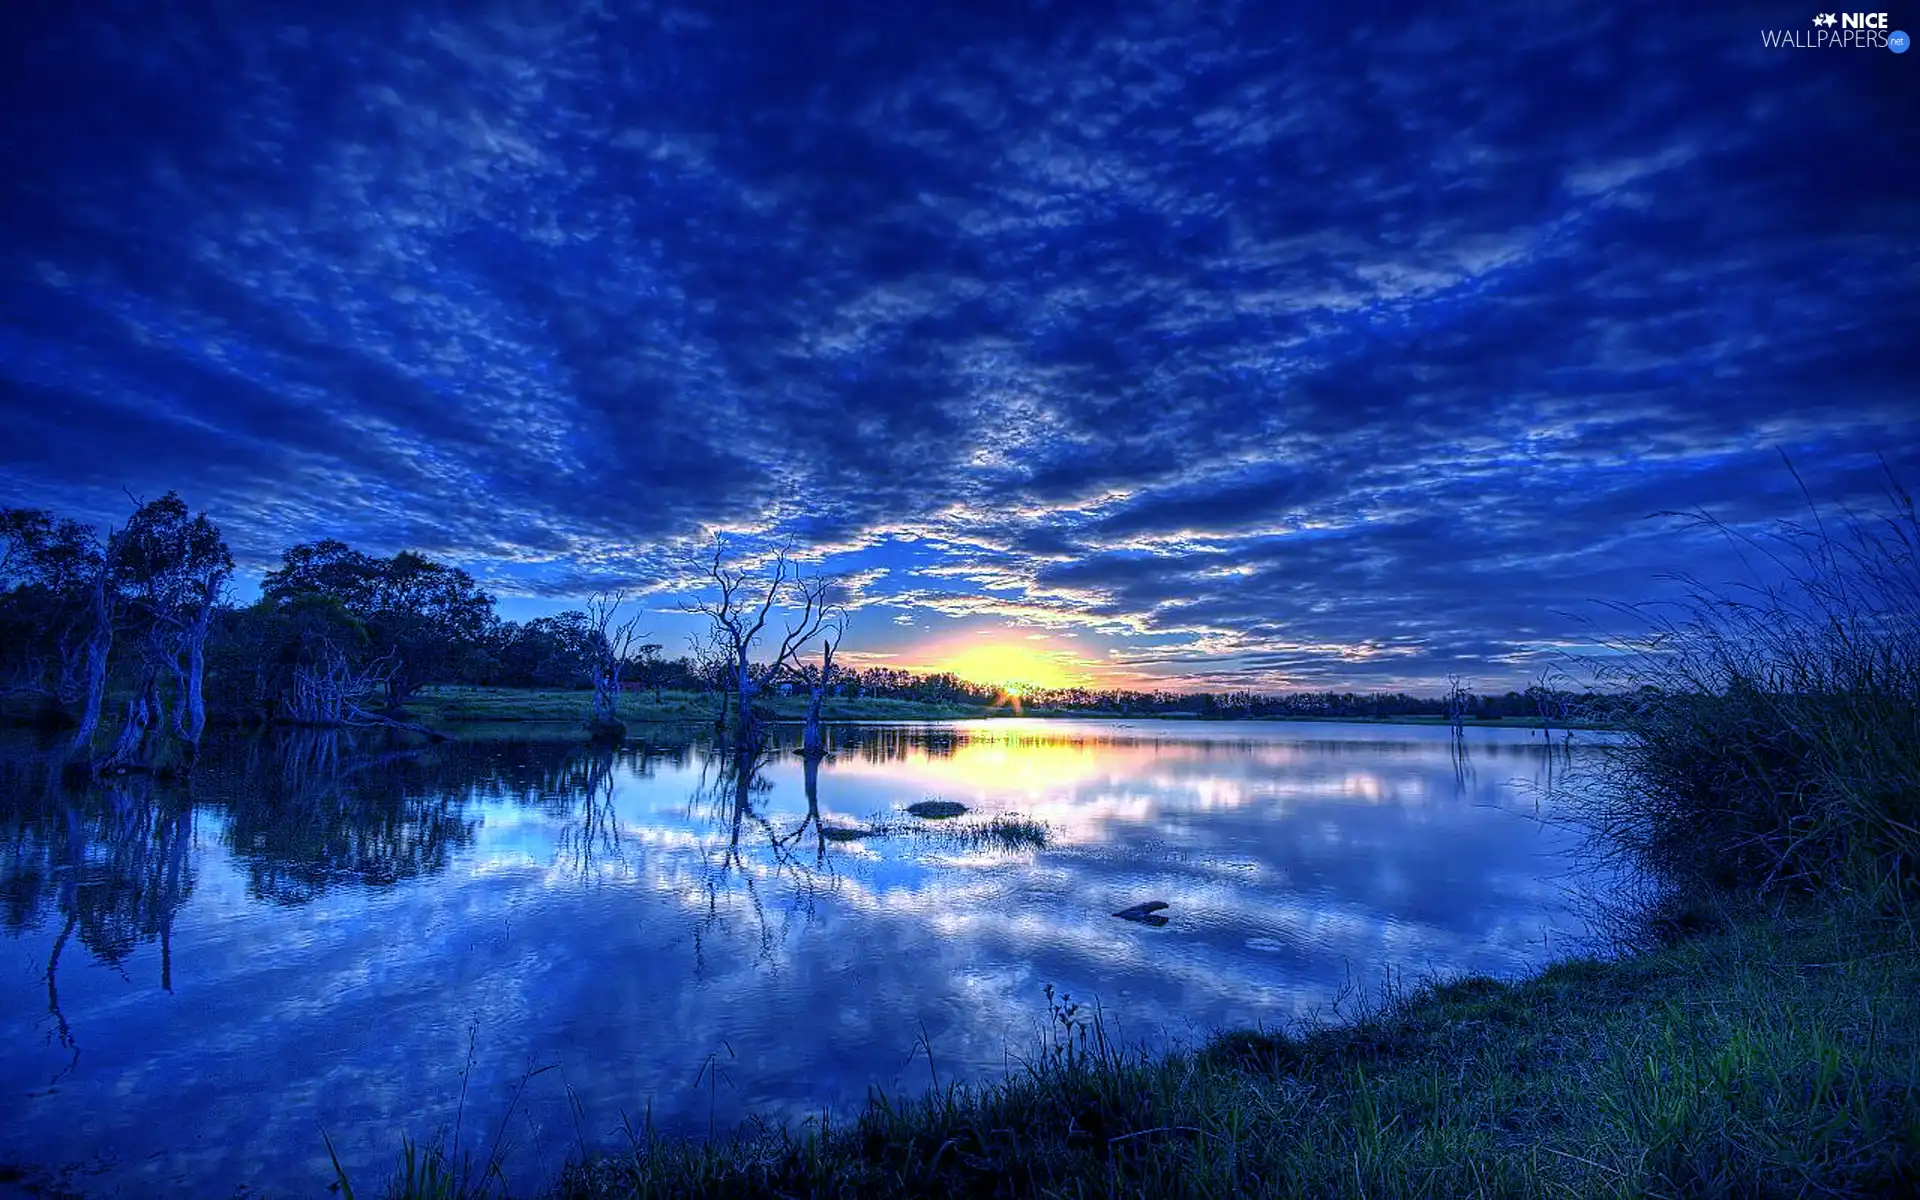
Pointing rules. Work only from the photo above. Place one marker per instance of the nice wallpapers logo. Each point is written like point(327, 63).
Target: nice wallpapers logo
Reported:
point(1841, 31)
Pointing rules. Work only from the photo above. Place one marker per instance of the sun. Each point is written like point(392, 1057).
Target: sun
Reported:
point(1013, 669)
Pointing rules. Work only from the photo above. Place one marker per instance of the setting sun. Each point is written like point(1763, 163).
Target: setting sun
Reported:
point(1011, 668)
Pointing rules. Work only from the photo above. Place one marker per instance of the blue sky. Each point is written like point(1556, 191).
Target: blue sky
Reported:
point(1215, 345)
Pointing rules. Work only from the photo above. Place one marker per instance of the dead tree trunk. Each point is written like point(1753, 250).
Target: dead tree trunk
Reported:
point(819, 680)
point(814, 741)
point(192, 717)
point(133, 750)
point(1459, 697)
point(612, 641)
point(738, 610)
point(98, 645)
point(745, 688)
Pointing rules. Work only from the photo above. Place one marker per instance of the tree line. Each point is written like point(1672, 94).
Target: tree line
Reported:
point(140, 614)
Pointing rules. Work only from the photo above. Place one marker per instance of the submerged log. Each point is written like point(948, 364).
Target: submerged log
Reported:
point(1145, 914)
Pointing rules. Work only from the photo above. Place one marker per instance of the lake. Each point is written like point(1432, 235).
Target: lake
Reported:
point(544, 941)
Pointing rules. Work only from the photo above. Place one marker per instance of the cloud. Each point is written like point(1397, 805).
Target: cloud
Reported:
point(1286, 334)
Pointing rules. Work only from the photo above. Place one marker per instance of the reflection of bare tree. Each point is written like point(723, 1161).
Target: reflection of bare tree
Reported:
point(128, 873)
point(1464, 775)
point(810, 780)
point(64, 1031)
point(597, 837)
point(322, 808)
point(112, 861)
point(756, 850)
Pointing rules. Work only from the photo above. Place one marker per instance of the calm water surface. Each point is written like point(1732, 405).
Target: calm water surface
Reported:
point(321, 935)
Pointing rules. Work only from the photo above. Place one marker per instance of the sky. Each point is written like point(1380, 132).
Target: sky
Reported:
point(1200, 346)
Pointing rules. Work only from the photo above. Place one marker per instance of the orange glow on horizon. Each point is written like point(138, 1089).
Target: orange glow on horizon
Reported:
point(1012, 667)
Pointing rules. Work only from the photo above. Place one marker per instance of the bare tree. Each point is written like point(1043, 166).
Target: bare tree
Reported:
point(1552, 703)
point(189, 661)
point(818, 678)
point(94, 651)
point(1459, 699)
point(328, 691)
point(132, 750)
point(610, 641)
point(740, 608)
point(710, 666)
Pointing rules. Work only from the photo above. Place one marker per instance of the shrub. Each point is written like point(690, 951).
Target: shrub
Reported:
point(1774, 739)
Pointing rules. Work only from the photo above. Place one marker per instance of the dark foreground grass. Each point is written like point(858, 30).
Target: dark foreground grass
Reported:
point(1773, 1054)
point(1779, 1055)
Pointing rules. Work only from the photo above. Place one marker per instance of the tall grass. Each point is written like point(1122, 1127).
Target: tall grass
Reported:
point(441, 1169)
point(1774, 742)
point(1777, 1058)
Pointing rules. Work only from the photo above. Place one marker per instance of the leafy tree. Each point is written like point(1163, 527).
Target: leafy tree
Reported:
point(432, 619)
point(51, 629)
point(171, 568)
point(326, 568)
point(648, 670)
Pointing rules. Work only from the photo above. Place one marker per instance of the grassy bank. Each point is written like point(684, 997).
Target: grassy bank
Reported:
point(1776, 741)
point(452, 705)
point(1776, 1055)
point(456, 705)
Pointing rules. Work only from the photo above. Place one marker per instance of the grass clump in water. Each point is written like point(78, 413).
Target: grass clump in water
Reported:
point(846, 833)
point(1007, 832)
point(1014, 830)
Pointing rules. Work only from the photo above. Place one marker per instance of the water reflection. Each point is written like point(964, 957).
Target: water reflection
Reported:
point(112, 872)
point(320, 921)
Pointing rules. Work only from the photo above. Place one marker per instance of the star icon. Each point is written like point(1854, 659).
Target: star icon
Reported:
point(1827, 19)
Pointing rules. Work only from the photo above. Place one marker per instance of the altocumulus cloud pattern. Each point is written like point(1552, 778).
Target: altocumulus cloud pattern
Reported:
point(1256, 343)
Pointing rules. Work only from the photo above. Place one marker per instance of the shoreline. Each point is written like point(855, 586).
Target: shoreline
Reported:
point(1743, 1054)
point(466, 705)
point(473, 705)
